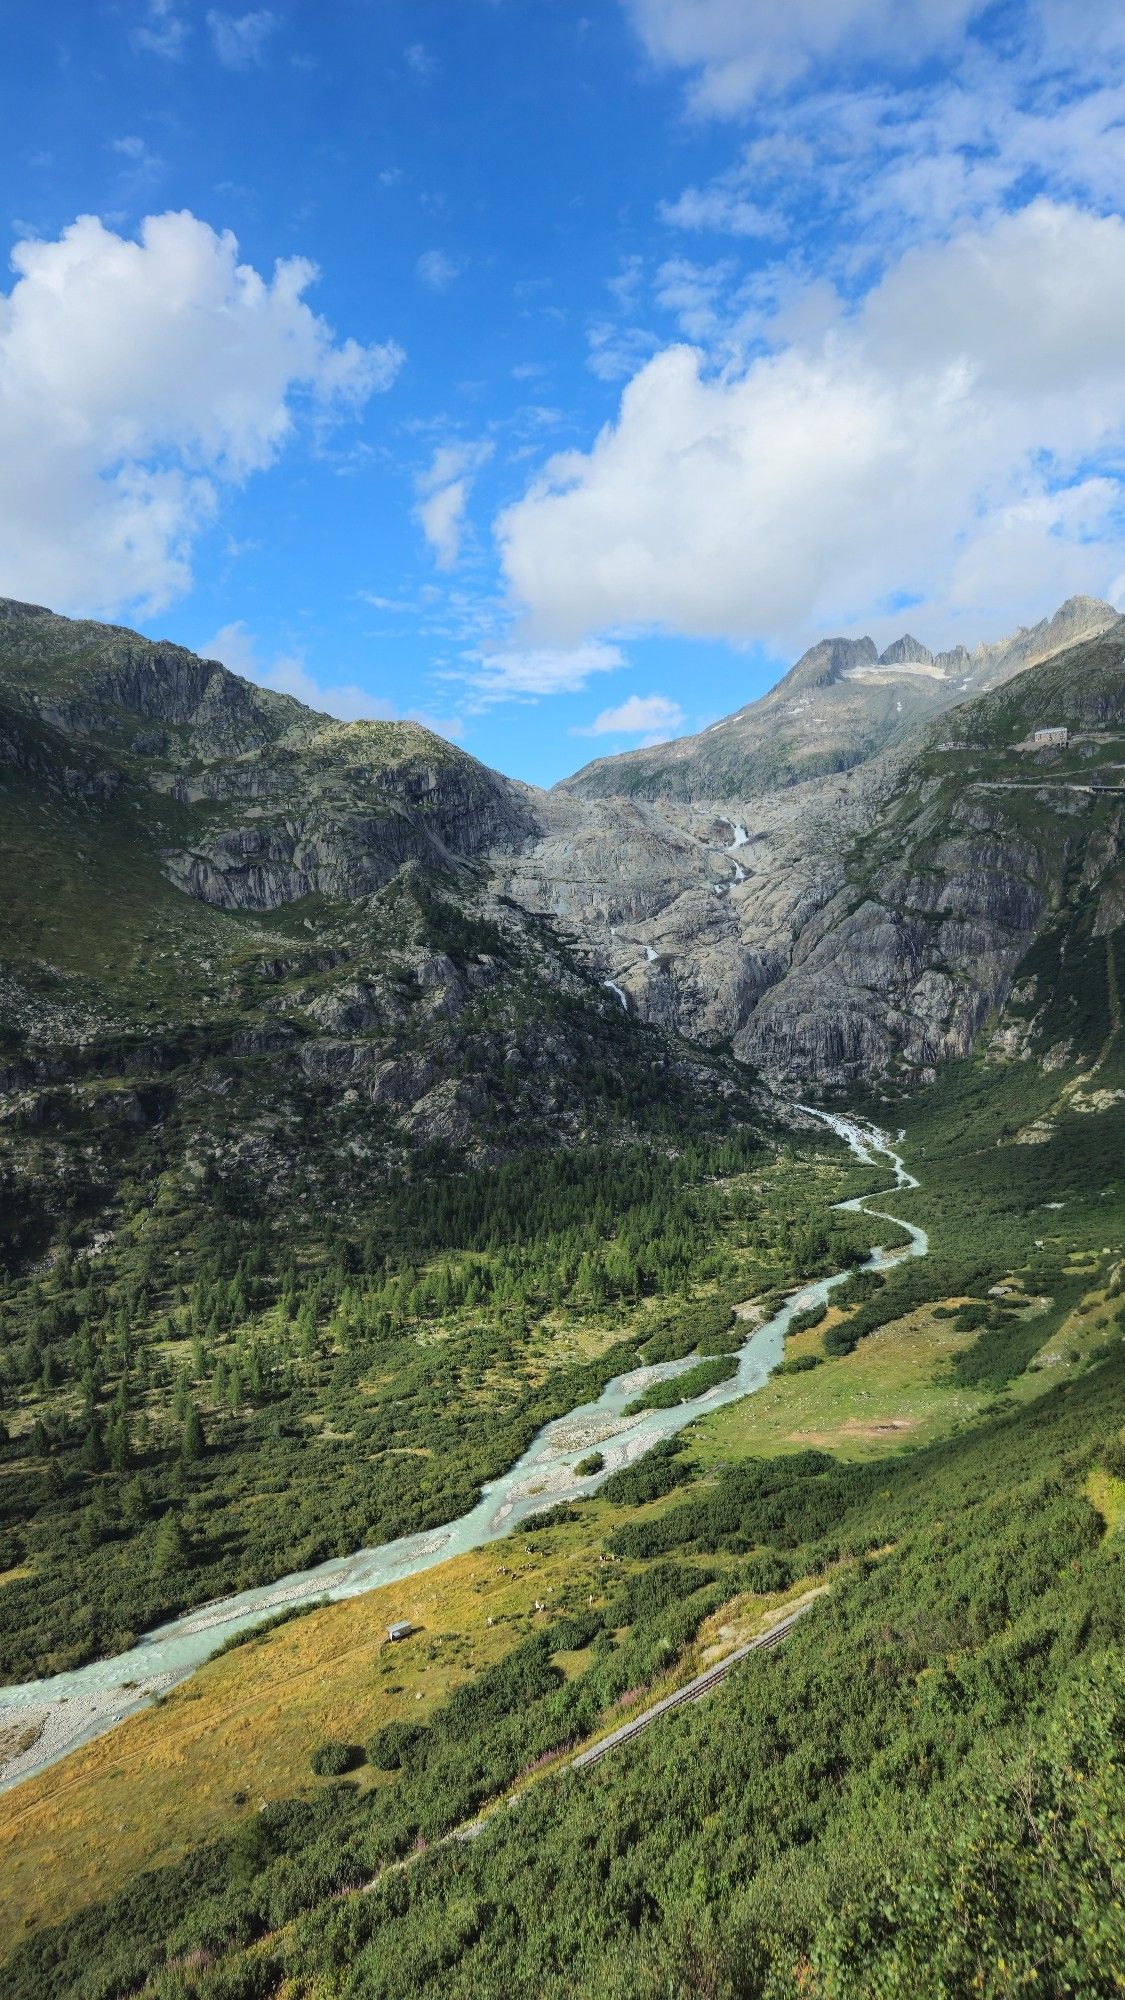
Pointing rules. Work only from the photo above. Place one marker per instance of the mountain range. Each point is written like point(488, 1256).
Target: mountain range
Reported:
point(840, 704)
point(183, 846)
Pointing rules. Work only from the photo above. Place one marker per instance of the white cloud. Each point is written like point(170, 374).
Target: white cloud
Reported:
point(614, 350)
point(444, 489)
point(873, 169)
point(723, 210)
point(737, 50)
point(653, 716)
point(162, 32)
point(880, 451)
point(137, 378)
point(442, 516)
point(510, 672)
point(236, 647)
point(239, 40)
point(695, 293)
point(438, 270)
point(143, 167)
point(399, 605)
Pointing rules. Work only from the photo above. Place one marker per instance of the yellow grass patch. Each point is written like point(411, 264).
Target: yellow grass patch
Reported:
point(166, 1778)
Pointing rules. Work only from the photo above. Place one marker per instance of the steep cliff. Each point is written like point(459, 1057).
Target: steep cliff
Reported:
point(867, 925)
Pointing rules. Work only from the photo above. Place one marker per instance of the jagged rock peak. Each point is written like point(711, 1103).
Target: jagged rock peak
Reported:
point(906, 649)
point(827, 660)
point(956, 660)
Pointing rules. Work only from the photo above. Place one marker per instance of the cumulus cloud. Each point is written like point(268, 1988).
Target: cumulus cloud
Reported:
point(506, 672)
point(239, 40)
point(444, 490)
point(654, 717)
point(137, 379)
point(736, 51)
point(886, 450)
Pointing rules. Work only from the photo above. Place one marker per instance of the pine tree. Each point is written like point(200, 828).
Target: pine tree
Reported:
point(92, 1457)
point(193, 1444)
point(134, 1503)
point(170, 1547)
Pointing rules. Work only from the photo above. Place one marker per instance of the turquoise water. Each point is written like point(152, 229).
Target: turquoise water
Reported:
point(89, 1700)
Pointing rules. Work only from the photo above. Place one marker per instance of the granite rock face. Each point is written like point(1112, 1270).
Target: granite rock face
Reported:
point(868, 923)
point(858, 907)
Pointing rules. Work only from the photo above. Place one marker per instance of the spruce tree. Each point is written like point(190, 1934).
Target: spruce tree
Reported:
point(170, 1547)
point(193, 1444)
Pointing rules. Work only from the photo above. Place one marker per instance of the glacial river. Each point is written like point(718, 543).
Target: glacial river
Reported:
point(71, 1708)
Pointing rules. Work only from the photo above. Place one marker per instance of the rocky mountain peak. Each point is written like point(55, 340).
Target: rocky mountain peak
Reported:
point(906, 649)
point(826, 661)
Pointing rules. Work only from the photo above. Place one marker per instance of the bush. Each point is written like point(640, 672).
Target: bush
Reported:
point(593, 1462)
point(332, 1759)
point(766, 1573)
point(573, 1635)
point(397, 1744)
point(799, 1365)
point(659, 1472)
point(804, 1322)
point(551, 1517)
point(686, 1387)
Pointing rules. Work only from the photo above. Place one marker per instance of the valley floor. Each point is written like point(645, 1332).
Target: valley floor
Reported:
point(839, 1472)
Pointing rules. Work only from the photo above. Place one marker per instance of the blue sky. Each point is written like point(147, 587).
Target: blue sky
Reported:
point(557, 373)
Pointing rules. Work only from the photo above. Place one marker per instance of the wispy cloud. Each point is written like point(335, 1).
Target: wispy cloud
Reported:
point(162, 32)
point(444, 489)
point(140, 165)
point(506, 673)
point(239, 40)
point(419, 60)
point(438, 269)
point(737, 53)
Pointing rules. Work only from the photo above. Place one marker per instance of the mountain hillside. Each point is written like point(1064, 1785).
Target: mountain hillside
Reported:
point(240, 938)
point(837, 929)
point(840, 704)
point(382, 1146)
point(253, 799)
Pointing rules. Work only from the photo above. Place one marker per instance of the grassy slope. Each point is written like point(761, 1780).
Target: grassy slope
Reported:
point(1011, 1417)
point(986, 1207)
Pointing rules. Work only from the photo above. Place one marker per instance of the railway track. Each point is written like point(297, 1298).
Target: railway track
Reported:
point(692, 1691)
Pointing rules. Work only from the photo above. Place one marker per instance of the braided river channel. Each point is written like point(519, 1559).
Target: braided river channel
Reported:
point(71, 1708)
